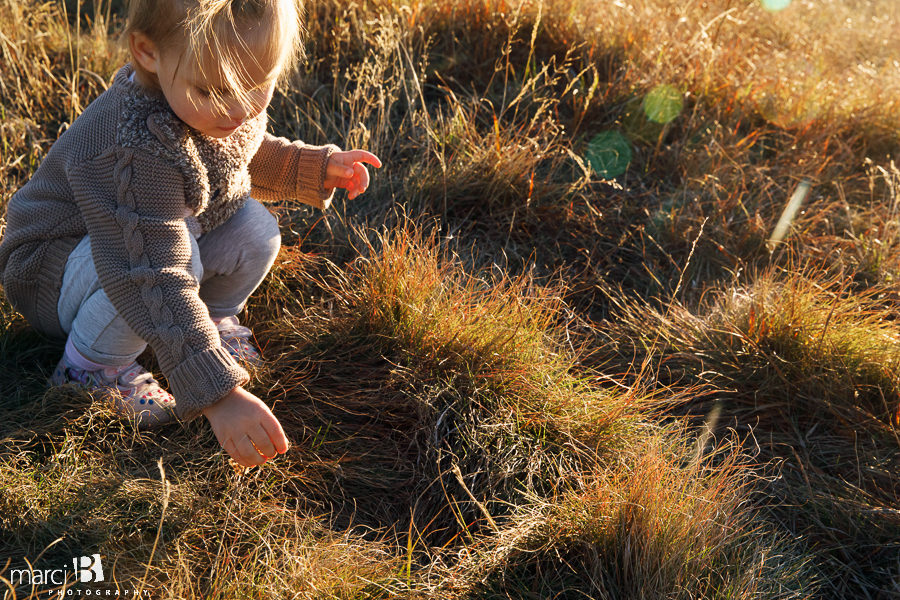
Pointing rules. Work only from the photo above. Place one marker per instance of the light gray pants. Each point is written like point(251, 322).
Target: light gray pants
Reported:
point(229, 262)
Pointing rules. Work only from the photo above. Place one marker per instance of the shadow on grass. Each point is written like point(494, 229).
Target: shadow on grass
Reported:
point(380, 447)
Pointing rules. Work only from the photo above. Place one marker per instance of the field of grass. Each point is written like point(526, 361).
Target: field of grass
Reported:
point(520, 365)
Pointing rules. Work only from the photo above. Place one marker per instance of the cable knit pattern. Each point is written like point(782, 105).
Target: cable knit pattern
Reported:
point(136, 179)
point(140, 272)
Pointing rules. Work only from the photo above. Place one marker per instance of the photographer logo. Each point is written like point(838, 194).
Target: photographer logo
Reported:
point(88, 569)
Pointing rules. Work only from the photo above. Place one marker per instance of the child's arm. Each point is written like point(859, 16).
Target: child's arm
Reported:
point(282, 170)
point(133, 205)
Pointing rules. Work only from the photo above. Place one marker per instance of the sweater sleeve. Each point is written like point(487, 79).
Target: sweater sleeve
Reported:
point(282, 170)
point(133, 207)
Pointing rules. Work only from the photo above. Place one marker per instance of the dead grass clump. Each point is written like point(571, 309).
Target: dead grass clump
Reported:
point(864, 234)
point(497, 333)
point(477, 171)
point(662, 521)
point(798, 337)
point(783, 66)
point(802, 367)
point(408, 370)
point(264, 548)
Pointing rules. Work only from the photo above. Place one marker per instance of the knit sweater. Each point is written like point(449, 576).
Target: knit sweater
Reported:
point(139, 182)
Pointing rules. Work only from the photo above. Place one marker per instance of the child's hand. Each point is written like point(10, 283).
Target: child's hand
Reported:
point(241, 421)
point(346, 170)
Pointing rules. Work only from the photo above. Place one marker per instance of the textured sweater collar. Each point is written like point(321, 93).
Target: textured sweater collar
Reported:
point(212, 167)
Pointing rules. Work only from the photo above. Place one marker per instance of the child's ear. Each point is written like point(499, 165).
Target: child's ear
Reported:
point(144, 51)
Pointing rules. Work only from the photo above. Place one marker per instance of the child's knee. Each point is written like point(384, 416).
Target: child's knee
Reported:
point(266, 235)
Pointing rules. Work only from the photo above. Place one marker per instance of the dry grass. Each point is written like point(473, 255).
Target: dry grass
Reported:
point(806, 368)
point(504, 376)
point(663, 521)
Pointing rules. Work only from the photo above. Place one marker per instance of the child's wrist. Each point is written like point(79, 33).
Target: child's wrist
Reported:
point(209, 407)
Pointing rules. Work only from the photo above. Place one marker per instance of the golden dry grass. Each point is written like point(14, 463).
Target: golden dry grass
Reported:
point(503, 375)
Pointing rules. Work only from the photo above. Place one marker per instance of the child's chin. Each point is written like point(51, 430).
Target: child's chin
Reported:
point(216, 132)
point(220, 133)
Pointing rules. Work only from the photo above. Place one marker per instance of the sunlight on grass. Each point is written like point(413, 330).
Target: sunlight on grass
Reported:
point(549, 351)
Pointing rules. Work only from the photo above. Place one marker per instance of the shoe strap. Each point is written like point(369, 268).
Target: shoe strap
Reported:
point(133, 375)
point(234, 331)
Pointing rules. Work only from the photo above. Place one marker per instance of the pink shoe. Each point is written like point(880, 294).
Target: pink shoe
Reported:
point(133, 391)
point(235, 338)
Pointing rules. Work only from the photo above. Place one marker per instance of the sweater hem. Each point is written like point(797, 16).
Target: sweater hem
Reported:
point(204, 379)
point(37, 299)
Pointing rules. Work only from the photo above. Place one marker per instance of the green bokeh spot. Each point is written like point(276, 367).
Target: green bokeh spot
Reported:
point(663, 104)
point(775, 5)
point(609, 154)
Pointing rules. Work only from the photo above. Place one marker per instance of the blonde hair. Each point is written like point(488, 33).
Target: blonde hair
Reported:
point(210, 34)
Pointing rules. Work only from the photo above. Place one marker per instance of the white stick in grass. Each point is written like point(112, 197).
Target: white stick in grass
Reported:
point(790, 211)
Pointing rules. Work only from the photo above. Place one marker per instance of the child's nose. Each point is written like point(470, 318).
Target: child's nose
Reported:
point(237, 113)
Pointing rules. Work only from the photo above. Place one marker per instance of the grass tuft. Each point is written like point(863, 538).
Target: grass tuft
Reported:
point(504, 375)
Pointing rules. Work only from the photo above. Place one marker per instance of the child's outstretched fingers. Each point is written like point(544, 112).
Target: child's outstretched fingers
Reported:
point(363, 156)
point(275, 433)
point(347, 170)
point(359, 182)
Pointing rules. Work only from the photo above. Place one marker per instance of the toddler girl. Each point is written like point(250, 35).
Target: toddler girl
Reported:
point(139, 226)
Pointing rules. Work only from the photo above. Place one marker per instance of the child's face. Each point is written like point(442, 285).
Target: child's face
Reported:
point(192, 96)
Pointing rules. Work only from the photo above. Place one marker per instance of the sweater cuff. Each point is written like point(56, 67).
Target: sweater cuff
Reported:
point(204, 379)
point(311, 173)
